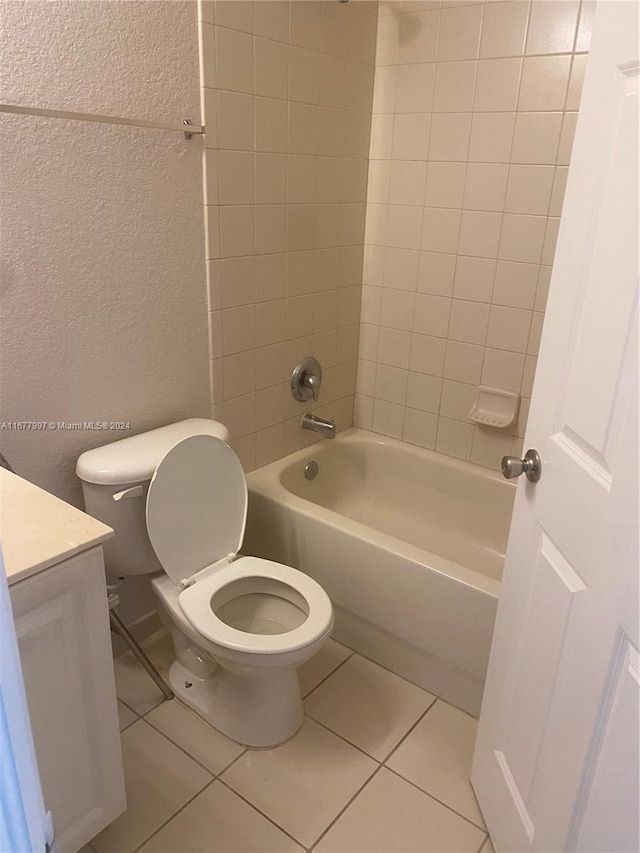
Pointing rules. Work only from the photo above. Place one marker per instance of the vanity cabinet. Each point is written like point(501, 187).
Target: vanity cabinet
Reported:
point(56, 577)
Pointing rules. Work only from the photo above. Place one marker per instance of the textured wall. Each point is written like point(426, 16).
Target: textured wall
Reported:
point(474, 111)
point(287, 100)
point(103, 295)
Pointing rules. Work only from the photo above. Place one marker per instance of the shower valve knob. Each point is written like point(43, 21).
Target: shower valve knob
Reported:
point(530, 466)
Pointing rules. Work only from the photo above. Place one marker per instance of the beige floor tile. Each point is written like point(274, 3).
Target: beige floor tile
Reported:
point(368, 705)
point(133, 685)
point(196, 737)
point(125, 715)
point(159, 779)
point(218, 821)
point(331, 655)
point(304, 784)
point(391, 815)
point(437, 757)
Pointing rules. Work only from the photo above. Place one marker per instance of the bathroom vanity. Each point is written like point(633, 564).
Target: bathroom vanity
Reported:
point(54, 564)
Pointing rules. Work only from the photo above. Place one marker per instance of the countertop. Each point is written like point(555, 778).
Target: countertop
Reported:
point(38, 530)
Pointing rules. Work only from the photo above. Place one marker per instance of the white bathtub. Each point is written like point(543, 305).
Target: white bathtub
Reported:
point(409, 545)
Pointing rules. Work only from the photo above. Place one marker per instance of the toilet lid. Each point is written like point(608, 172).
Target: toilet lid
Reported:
point(196, 506)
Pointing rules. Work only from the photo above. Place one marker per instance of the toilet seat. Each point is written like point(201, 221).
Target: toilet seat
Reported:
point(196, 508)
point(196, 600)
point(196, 512)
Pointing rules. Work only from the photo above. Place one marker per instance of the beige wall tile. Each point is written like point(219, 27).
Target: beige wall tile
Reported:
point(463, 362)
point(480, 233)
point(237, 16)
point(436, 273)
point(236, 231)
point(271, 68)
point(391, 384)
point(486, 186)
point(468, 322)
point(270, 178)
point(413, 87)
point(234, 61)
point(271, 19)
point(304, 75)
point(491, 137)
point(445, 184)
point(410, 136)
point(420, 428)
point(457, 400)
point(237, 281)
point(504, 28)
point(474, 278)
point(455, 85)
point(498, 85)
point(503, 369)
point(459, 36)
point(306, 21)
point(508, 328)
point(544, 82)
point(431, 315)
point(552, 26)
point(536, 138)
point(449, 138)
point(236, 176)
point(440, 229)
point(418, 36)
point(407, 182)
point(423, 392)
point(522, 238)
point(235, 121)
point(271, 125)
point(427, 354)
point(388, 418)
point(515, 284)
point(529, 189)
point(454, 438)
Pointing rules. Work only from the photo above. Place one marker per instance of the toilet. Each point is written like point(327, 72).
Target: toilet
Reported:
point(176, 498)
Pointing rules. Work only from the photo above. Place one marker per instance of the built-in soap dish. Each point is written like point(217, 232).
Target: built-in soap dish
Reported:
point(494, 407)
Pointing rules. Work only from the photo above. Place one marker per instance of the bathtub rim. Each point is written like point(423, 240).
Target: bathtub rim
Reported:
point(265, 481)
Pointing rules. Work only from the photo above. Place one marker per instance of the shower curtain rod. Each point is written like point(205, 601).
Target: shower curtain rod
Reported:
point(186, 127)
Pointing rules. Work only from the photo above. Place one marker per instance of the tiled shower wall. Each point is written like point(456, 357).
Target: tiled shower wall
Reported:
point(474, 112)
point(287, 93)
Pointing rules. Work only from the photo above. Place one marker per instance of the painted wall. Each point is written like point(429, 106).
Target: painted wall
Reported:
point(103, 295)
point(287, 101)
point(473, 118)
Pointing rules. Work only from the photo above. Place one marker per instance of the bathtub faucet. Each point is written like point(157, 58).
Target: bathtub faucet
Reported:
point(324, 427)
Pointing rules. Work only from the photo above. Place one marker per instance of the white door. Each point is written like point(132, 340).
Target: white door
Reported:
point(556, 761)
point(24, 826)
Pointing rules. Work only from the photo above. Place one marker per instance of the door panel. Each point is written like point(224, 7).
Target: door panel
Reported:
point(556, 759)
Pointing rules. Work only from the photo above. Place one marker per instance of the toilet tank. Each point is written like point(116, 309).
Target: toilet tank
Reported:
point(115, 480)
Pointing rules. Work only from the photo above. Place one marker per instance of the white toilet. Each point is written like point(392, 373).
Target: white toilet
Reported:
point(176, 498)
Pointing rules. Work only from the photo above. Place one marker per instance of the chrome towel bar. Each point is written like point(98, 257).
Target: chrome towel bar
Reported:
point(186, 127)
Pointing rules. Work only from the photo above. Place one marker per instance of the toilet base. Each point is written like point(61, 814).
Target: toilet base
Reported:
point(259, 711)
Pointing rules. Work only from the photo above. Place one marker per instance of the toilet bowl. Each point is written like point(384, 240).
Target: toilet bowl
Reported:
point(240, 625)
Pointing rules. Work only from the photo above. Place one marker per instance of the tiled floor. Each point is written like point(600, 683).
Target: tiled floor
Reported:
point(379, 766)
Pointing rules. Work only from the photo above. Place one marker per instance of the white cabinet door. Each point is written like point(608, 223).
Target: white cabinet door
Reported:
point(556, 762)
point(62, 627)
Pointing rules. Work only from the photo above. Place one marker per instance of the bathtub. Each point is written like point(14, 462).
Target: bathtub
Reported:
point(409, 544)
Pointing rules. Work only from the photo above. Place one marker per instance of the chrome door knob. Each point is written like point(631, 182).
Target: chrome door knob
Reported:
point(530, 466)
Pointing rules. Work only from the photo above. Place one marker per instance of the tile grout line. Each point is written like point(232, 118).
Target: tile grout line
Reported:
point(260, 812)
point(315, 687)
point(484, 841)
point(175, 814)
point(186, 752)
point(346, 806)
point(433, 797)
